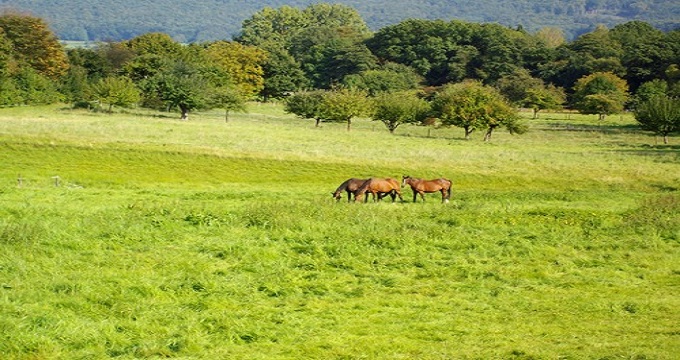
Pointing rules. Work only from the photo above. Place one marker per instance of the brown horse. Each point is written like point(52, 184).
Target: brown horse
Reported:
point(350, 186)
point(420, 186)
point(379, 188)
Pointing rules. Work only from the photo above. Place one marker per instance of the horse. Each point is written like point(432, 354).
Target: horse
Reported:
point(350, 186)
point(380, 188)
point(420, 186)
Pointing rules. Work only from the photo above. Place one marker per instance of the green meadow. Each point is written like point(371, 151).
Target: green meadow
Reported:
point(135, 235)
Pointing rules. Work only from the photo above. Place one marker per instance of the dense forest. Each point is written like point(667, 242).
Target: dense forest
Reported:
point(208, 20)
point(326, 63)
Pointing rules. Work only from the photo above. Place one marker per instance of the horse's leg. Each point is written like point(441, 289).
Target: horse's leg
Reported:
point(349, 196)
point(422, 195)
point(393, 194)
point(415, 195)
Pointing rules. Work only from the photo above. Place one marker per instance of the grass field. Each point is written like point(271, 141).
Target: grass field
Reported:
point(135, 235)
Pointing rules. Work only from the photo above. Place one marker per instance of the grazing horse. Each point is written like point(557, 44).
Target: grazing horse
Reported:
point(350, 186)
point(380, 188)
point(420, 186)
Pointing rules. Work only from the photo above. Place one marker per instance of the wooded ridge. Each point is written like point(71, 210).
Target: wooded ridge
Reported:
point(97, 20)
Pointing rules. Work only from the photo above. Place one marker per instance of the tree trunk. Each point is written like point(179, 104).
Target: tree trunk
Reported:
point(349, 124)
point(487, 136)
point(468, 131)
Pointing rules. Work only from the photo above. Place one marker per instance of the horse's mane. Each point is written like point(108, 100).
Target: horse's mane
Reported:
point(364, 186)
point(343, 186)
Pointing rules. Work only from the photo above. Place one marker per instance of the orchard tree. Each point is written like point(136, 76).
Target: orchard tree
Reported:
point(472, 106)
point(343, 105)
point(547, 97)
point(600, 93)
point(394, 109)
point(660, 114)
point(460, 105)
point(228, 98)
point(181, 85)
point(115, 91)
point(516, 85)
point(307, 105)
point(648, 90)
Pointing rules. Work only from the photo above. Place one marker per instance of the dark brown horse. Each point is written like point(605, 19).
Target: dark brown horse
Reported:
point(379, 188)
point(350, 186)
point(420, 186)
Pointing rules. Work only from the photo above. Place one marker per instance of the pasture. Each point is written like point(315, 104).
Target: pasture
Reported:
point(213, 240)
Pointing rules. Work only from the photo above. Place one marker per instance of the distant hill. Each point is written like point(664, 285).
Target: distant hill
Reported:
point(203, 20)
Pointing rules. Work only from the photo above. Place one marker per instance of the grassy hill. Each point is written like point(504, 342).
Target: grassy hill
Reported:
point(206, 239)
point(101, 20)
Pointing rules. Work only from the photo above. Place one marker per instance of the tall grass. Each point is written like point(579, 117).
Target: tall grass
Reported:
point(202, 239)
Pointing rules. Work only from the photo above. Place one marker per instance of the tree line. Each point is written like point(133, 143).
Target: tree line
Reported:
point(326, 64)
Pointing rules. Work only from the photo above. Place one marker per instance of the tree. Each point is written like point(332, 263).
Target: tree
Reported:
point(648, 90)
point(307, 105)
point(660, 114)
point(432, 47)
point(645, 55)
point(155, 43)
point(182, 85)
point(229, 99)
point(35, 44)
point(552, 37)
point(459, 105)
point(344, 104)
point(394, 109)
point(590, 53)
point(318, 45)
point(600, 93)
point(516, 85)
point(473, 106)
point(115, 91)
point(521, 89)
point(242, 63)
point(547, 97)
point(390, 77)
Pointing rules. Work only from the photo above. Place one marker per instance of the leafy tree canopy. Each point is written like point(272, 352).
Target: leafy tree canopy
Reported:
point(34, 43)
point(600, 93)
point(660, 114)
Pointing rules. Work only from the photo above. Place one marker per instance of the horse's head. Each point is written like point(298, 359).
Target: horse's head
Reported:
point(336, 195)
point(404, 180)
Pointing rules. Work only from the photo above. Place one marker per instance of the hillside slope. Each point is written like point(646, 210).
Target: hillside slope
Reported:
point(222, 19)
